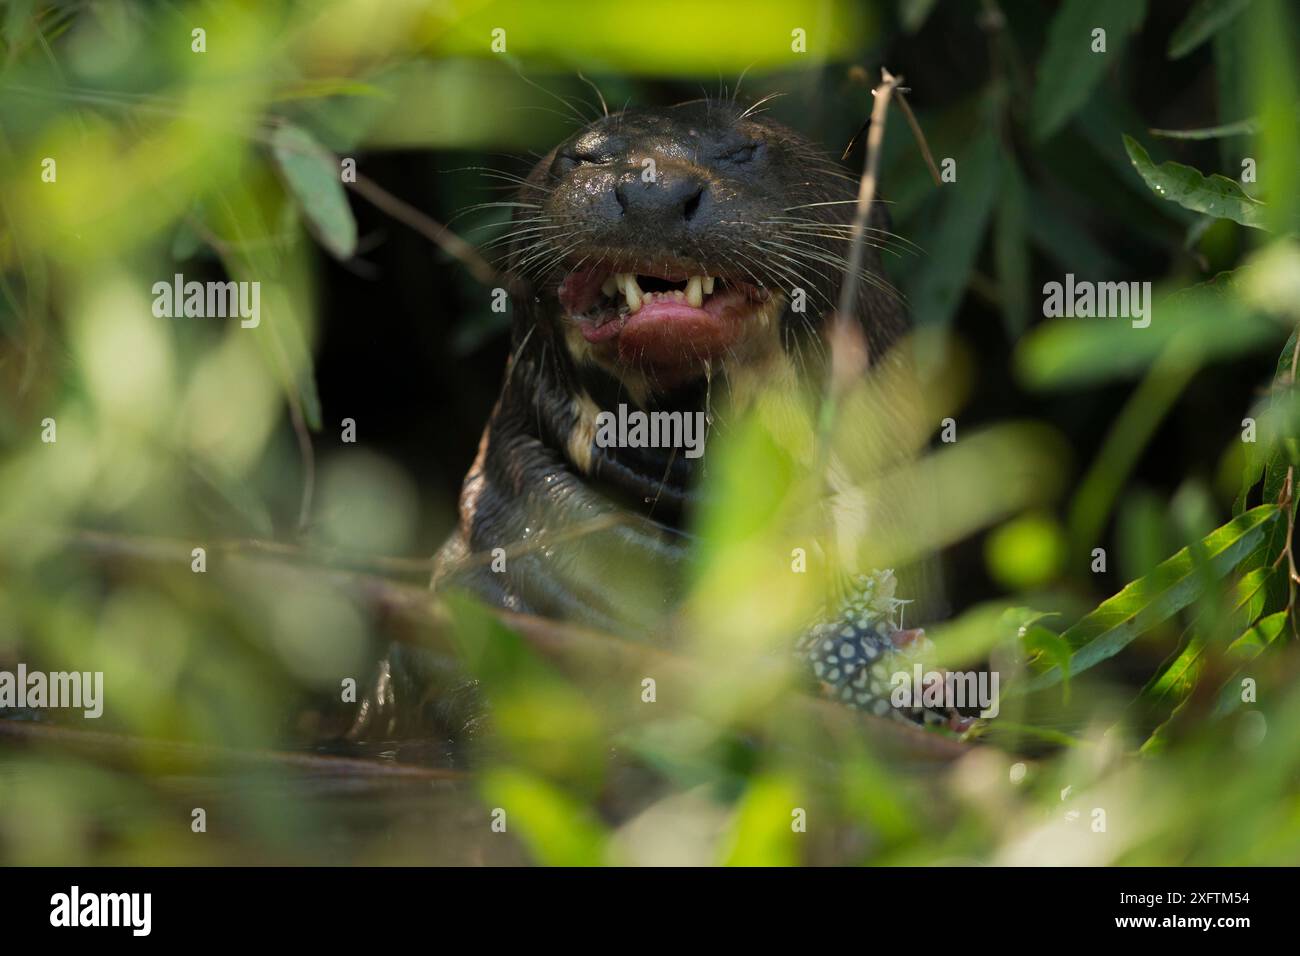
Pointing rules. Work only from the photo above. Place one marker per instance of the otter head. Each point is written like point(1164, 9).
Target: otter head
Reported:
point(661, 246)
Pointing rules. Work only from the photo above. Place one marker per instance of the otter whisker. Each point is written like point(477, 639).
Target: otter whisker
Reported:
point(755, 108)
point(828, 202)
point(532, 233)
point(541, 260)
point(787, 271)
point(864, 274)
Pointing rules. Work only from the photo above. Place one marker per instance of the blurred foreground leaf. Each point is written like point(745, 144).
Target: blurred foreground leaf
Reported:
point(314, 180)
point(559, 830)
point(1188, 328)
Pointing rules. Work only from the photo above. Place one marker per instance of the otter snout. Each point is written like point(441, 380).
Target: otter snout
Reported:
point(670, 200)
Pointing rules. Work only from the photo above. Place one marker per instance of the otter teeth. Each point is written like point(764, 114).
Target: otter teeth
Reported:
point(695, 292)
point(627, 284)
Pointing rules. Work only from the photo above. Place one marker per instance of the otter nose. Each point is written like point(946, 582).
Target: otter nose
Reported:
point(665, 202)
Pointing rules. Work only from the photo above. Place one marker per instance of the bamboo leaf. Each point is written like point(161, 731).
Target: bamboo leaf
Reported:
point(1245, 649)
point(1180, 675)
point(1155, 598)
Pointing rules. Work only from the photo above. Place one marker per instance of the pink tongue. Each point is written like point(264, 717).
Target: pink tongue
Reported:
point(579, 291)
point(671, 333)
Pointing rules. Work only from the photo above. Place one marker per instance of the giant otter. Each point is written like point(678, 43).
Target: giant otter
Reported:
point(656, 255)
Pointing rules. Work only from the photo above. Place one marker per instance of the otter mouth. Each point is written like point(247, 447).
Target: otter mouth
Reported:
point(658, 315)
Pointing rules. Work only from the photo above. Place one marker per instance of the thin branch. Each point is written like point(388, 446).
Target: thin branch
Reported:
point(846, 367)
point(124, 749)
point(427, 226)
point(920, 137)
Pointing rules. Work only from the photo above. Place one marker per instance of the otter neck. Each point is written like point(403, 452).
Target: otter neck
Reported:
point(657, 483)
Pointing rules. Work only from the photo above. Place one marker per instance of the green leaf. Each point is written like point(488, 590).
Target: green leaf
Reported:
point(1240, 128)
point(1245, 649)
point(1259, 636)
point(1216, 195)
point(1153, 599)
point(1179, 676)
point(558, 829)
point(1191, 326)
point(313, 177)
point(761, 834)
point(963, 214)
point(1051, 647)
point(1069, 68)
point(1269, 55)
point(1204, 20)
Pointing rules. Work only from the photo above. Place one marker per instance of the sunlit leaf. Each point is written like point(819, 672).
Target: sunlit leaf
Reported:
point(1179, 676)
point(1246, 649)
point(762, 833)
point(559, 830)
point(1153, 599)
point(1215, 195)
